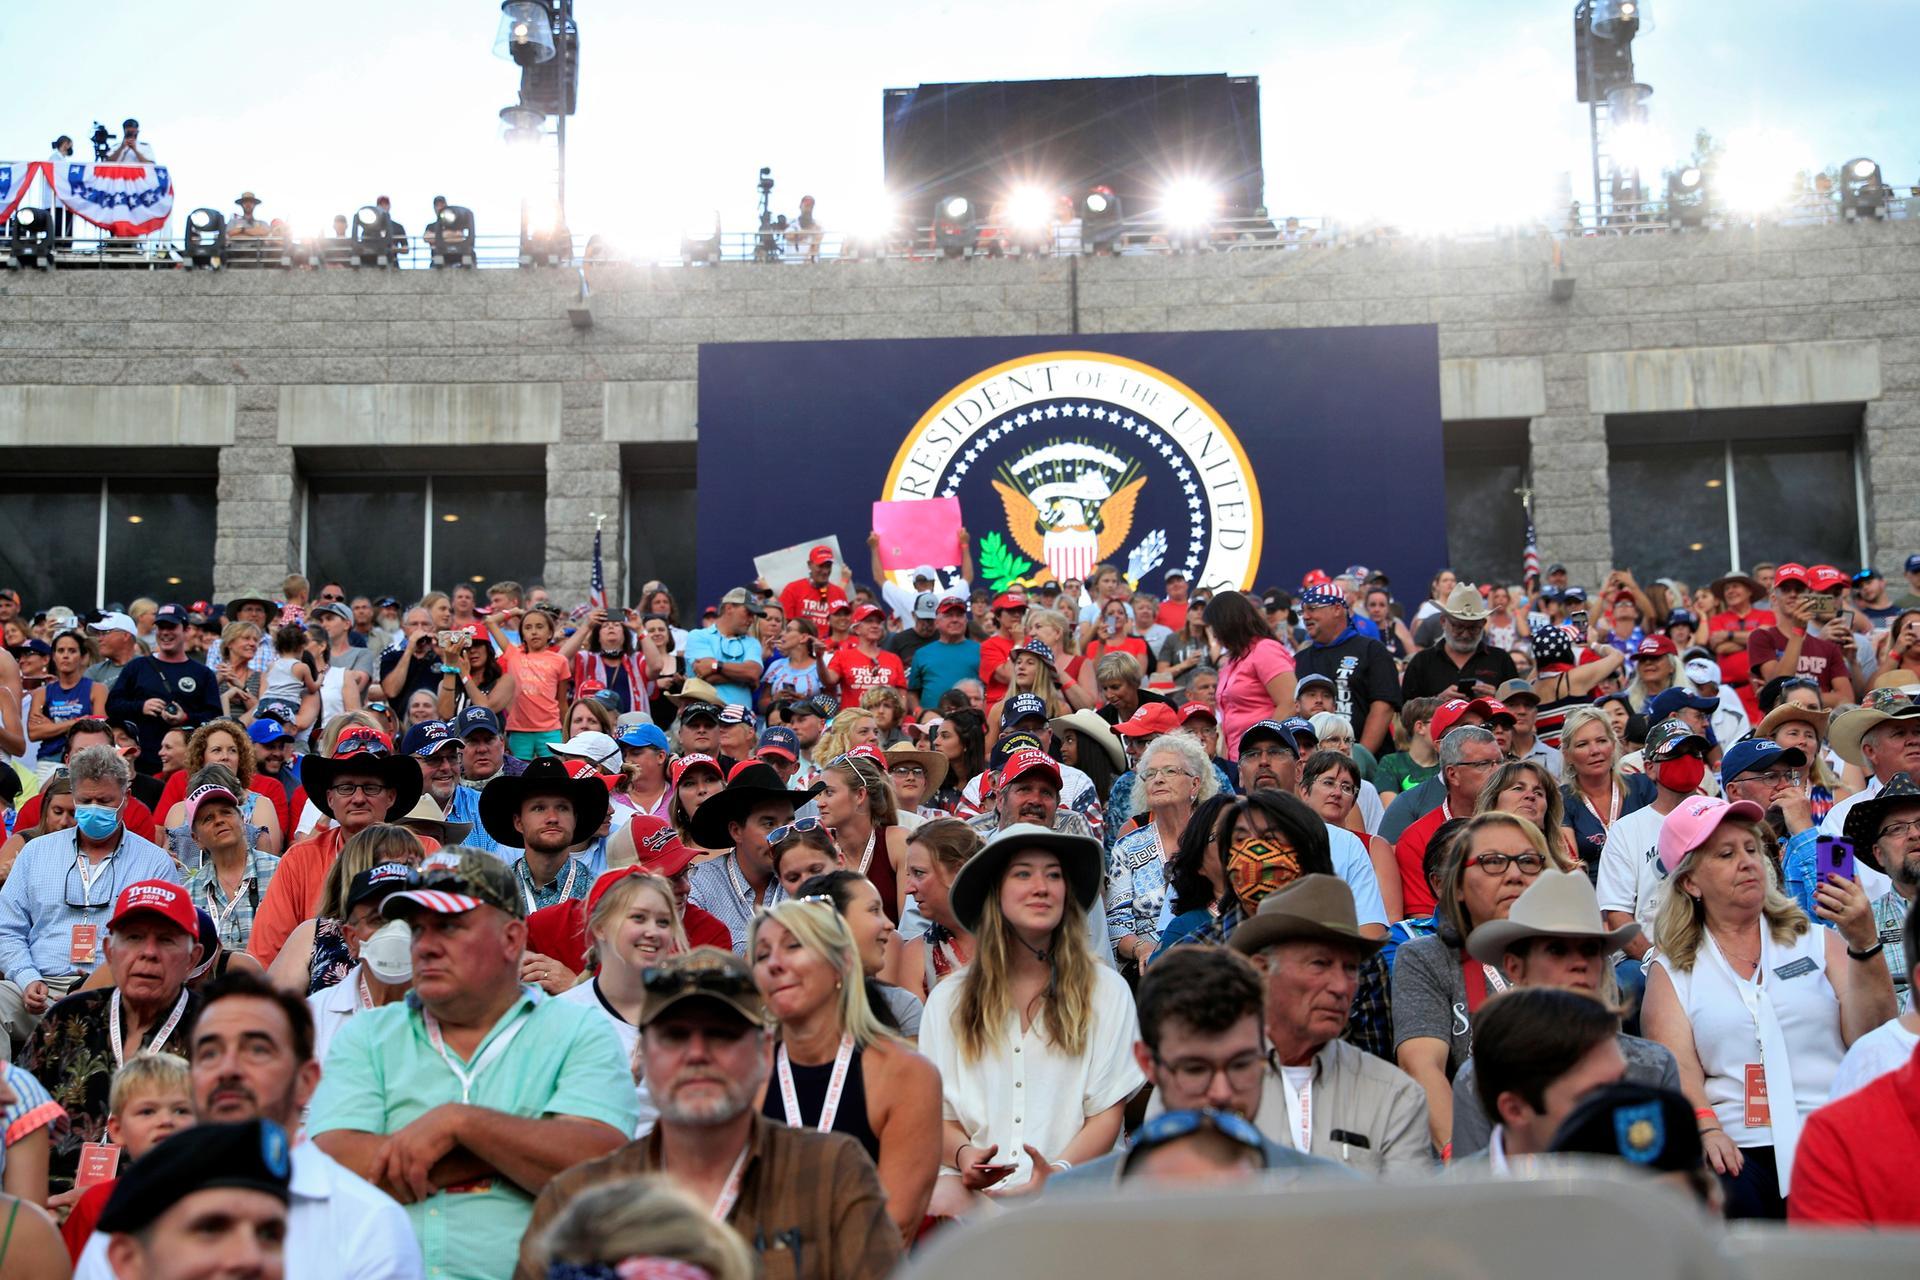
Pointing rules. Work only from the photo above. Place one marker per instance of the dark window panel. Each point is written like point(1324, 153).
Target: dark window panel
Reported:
point(661, 544)
point(1668, 505)
point(364, 532)
point(160, 539)
point(499, 533)
point(1796, 501)
point(50, 541)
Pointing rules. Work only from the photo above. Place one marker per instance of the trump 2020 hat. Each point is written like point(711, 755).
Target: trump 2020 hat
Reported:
point(160, 898)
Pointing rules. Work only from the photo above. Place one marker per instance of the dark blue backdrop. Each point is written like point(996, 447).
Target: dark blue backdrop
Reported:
point(1341, 428)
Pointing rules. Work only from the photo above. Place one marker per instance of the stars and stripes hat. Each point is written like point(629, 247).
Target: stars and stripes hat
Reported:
point(457, 884)
point(1321, 595)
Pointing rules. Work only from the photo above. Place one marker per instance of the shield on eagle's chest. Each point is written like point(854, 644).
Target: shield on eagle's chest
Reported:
point(1071, 553)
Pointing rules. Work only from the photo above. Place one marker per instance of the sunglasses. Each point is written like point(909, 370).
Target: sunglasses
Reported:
point(1173, 1125)
point(708, 978)
point(798, 827)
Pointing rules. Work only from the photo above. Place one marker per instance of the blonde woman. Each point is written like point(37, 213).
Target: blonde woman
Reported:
point(642, 1227)
point(1035, 1027)
point(1525, 788)
point(851, 727)
point(1437, 987)
point(1051, 628)
point(1757, 1006)
point(1596, 793)
point(320, 951)
point(633, 923)
point(935, 854)
point(238, 680)
point(837, 1067)
point(1034, 673)
point(857, 804)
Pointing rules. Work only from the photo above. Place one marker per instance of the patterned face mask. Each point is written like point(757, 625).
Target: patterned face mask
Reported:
point(1259, 865)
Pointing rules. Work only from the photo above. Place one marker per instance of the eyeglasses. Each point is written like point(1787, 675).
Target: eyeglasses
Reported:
point(1168, 771)
point(798, 827)
point(1342, 786)
point(1496, 864)
point(348, 790)
point(1775, 777)
point(1898, 830)
point(1242, 1070)
point(1477, 764)
point(907, 770)
point(330, 595)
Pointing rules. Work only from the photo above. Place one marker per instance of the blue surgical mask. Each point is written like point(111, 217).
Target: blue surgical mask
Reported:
point(96, 821)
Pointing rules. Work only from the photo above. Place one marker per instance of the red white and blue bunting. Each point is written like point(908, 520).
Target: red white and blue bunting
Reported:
point(121, 199)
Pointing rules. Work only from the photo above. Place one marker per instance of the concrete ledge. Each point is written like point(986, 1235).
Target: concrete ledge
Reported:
point(117, 416)
point(652, 412)
point(1760, 375)
point(420, 413)
point(1487, 388)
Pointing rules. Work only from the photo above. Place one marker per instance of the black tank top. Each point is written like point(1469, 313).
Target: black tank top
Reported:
point(810, 1087)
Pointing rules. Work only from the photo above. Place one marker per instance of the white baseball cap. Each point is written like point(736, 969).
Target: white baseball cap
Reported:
point(1703, 671)
point(114, 622)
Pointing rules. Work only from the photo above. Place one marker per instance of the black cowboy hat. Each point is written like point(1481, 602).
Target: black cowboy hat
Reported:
point(752, 784)
point(319, 773)
point(1863, 820)
point(501, 800)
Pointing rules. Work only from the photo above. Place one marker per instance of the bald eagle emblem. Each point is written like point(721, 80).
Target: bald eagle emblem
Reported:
point(1069, 504)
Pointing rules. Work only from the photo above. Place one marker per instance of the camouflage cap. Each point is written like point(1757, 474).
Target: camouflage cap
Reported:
point(454, 881)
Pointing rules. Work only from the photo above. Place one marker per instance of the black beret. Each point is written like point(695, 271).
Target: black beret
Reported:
point(252, 1155)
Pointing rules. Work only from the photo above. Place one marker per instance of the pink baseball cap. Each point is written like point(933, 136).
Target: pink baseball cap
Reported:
point(1688, 826)
point(200, 796)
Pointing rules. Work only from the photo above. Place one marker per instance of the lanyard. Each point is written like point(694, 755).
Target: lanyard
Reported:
point(730, 1193)
point(866, 855)
point(486, 1059)
point(86, 881)
point(1300, 1103)
point(1613, 805)
point(159, 1037)
point(744, 891)
point(233, 903)
point(366, 995)
point(527, 886)
point(830, 1105)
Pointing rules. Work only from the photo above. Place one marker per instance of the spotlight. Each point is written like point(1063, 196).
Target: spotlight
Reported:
point(1862, 192)
point(956, 231)
point(700, 242)
point(1100, 221)
point(872, 231)
point(1620, 20)
point(451, 235)
point(1029, 219)
point(1186, 211)
point(30, 242)
point(1686, 198)
point(206, 238)
point(372, 237)
point(526, 32)
point(544, 238)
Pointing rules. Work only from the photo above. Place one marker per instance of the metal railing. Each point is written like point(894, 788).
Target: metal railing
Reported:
point(793, 246)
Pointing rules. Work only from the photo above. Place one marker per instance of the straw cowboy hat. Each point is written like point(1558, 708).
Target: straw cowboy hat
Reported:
point(1558, 904)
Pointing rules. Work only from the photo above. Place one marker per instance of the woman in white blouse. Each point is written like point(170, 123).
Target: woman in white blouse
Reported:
point(1756, 1004)
point(1034, 1039)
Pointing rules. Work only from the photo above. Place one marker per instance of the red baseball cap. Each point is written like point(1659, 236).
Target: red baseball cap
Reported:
point(658, 846)
point(1315, 578)
point(866, 611)
point(578, 769)
point(1445, 716)
point(1021, 763)
point(820, 555)
point(1149, 718)
point(1492, 709)
point(1824, 577)
point(160, 898)
point(1655, 645)
point(1193, 709)
point(951, 604)
point(693, 761)
point(1791, 572)
point(841, 606)
point(1010, 600)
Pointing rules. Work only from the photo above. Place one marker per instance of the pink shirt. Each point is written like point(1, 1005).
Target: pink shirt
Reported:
point(1242, 698)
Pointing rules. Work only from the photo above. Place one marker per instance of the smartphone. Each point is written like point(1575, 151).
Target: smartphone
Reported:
point(1465, 686)
point(1578, 618)
point(451, 638)
point(1845, 616)
point(1832, 856)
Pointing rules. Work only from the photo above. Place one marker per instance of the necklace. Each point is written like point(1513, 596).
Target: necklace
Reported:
point(1039, 953)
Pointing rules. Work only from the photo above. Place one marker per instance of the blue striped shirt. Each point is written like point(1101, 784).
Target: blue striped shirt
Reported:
point(36, 924)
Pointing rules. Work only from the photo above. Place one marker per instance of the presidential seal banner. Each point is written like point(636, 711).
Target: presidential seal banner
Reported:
point(1237, 458)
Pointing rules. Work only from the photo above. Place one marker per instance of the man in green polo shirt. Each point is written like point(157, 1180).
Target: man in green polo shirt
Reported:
point(466, 1099)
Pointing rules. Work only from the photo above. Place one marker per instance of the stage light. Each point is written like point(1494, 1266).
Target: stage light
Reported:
point(30, 242)
point(1620, 20)
point(545, 240)
point(455, 221)
point(1100, 221)
point(955, 230)
point(1029, 228)
point(871, 230)
point(521, 124)
point(526, 32)
point(1756, 173)
point(1862, 193)
point(1187, 210)
point(206, 242)
point(372, 237)
point(1686, 198)
point(700, 241)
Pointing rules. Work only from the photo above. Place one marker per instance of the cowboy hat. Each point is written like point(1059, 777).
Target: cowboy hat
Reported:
point(266, 602)
point(1863, 820)
point(1718, 586)
point(427, 813)
point(500, 802)
point(1466, 604)
point(1314, 908)
point(1088, 721)
point(752, 783)
point(932, 761)
point(1080, 857)
point(1787, 712)
point(1558, 904)
point(319, 773)
point(245, 196)
point(694, 689)
point(1850, 728)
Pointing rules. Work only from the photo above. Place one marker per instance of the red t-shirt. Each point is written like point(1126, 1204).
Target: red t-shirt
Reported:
point(1411, 854)
point(78, 1227)
point(1172, 613)
point(1734, 667)
point(1820, 660)
point(560, 932)
point(994, 652)
point(1854, 1166)
point(859, 673)
point(801, 599)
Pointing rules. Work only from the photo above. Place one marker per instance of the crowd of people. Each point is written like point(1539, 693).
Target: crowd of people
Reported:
point(493, 935)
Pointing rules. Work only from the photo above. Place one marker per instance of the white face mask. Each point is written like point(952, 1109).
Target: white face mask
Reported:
point(389, 952)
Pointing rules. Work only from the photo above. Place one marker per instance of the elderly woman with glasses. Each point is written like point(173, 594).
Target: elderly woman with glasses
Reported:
point(1437, 986)
point(1175, 777)
point(837, 1067)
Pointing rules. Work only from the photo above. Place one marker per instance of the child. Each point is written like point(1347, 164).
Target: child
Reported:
point(152, 1096)
point(1404, 770)
point(290, 678)
point(542, 675)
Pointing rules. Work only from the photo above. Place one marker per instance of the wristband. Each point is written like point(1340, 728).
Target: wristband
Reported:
point(1869, 953)
point(1704, 1113)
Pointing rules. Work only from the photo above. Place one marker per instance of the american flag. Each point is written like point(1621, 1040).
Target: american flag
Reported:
point(597, 589)
point(1529, 560)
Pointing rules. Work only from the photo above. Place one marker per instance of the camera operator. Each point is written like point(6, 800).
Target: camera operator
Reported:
point(805, 232)
point(132, 150)
point(413, 664)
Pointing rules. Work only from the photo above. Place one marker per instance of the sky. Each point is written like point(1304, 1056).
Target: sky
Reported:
point(1435, 115)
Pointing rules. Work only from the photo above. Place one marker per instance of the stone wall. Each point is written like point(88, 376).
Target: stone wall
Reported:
point(260, 363)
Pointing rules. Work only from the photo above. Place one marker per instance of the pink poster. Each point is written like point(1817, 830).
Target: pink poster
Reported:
point(918, 531)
